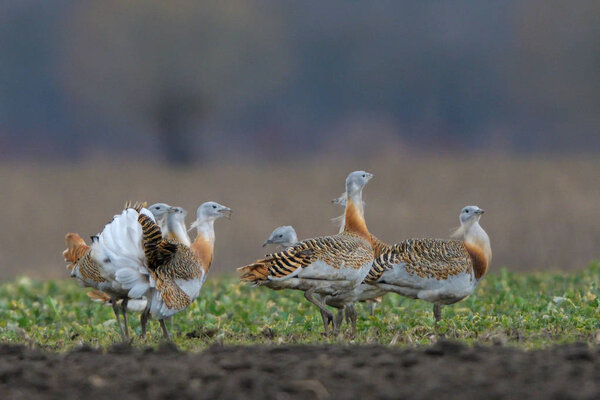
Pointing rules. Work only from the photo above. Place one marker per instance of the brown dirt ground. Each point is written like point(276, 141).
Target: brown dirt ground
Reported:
point(444, 371)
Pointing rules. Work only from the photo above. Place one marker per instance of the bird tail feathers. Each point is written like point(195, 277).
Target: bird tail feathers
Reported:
point(98, 296)
point(254, 273)
point(137, 205)
point(76, 248)
point(121, 243)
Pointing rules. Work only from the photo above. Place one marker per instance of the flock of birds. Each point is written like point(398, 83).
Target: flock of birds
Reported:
point(145, 257)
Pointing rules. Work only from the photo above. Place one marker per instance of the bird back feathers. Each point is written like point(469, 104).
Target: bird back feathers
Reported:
point(344, 250)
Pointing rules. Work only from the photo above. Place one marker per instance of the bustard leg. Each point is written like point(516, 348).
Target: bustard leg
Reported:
point(337, 321)
point(115, 307)
point(372, 306)
point(326, 317)
point(347, 316)
point(325, 313)
point(144, 321)
point(326, 321)
point(165, 330)
point(351, 315)
point(124, 310)
point(437, 312)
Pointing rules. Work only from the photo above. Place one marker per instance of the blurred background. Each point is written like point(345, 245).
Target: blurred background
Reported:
point(265, 106)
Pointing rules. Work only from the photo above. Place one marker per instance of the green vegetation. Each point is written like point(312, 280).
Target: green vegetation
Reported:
point(526, 310)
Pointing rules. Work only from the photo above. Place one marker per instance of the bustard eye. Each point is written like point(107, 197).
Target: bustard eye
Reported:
point(214, 206)
point(467, 211)
point(279, 235)
point(364, 176)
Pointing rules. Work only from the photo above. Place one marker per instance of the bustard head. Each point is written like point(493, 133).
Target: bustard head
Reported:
point(159, 210)
point(469, 222)
point(356, 181)
point(470, 214)
point(180, 212)
point(209, 212)
point(283, 235)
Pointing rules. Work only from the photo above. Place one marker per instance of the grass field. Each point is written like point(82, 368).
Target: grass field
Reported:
point(530, 310)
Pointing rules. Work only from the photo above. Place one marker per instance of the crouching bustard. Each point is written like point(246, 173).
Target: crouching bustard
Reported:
point(324, 265)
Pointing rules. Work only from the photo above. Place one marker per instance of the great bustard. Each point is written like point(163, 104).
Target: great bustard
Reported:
point(435, 270)
point(324, 265)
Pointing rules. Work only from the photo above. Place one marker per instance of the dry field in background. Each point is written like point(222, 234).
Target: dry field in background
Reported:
point(541, 213)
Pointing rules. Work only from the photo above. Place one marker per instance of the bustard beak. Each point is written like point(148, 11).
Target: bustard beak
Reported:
point(268, 241)
point(479, 212)
point(226, 211)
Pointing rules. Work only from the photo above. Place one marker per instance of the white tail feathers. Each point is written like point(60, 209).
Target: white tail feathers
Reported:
point(119, 247)
point(137, 282)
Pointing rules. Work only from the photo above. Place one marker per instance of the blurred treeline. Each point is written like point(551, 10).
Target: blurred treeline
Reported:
point(205, 80)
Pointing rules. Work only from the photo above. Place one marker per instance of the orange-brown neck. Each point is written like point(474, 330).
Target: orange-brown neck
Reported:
point(355, 220)
point(202, 249)
point(479, 258)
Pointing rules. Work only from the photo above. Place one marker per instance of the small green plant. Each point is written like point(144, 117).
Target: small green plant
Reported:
point(524, 310)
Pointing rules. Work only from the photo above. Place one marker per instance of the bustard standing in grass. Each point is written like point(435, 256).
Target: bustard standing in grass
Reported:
point(176, 271)
point(324, 265)
point(131, 259)
point(435, 270)
point(285, 236)
point(171, 220)
point(363, 294)
point(92, 265)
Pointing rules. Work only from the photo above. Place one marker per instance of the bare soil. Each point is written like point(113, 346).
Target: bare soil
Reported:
point(444, 371)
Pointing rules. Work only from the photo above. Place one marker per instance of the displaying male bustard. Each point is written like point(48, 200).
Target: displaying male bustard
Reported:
point(130, 258)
